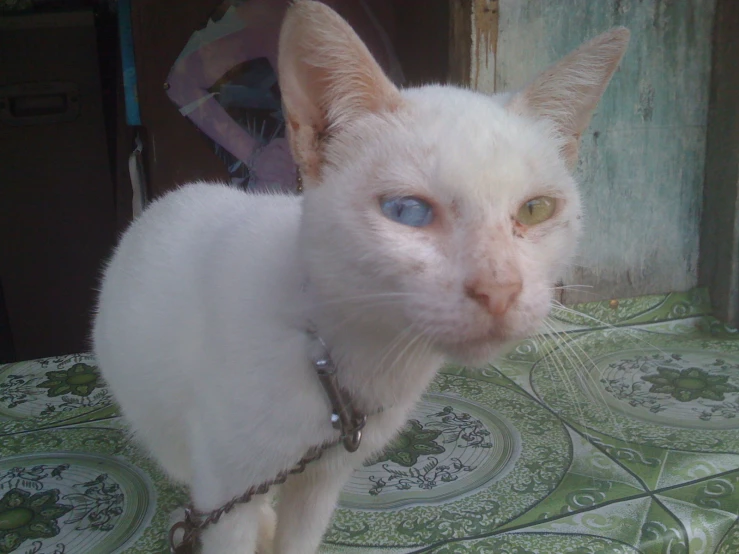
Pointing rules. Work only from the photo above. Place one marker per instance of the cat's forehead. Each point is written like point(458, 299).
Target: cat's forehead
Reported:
point(474, 146)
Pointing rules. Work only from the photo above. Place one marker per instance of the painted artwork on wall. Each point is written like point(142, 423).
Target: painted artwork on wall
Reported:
point(225, 82)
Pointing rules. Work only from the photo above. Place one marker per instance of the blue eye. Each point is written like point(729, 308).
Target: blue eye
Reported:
point(407, 210)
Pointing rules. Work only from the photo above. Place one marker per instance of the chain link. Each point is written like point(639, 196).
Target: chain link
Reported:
point(346, 418)
point(195, 522)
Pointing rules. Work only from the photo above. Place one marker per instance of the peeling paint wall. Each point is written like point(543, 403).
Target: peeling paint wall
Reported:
point(642, 159)
point(485, 18)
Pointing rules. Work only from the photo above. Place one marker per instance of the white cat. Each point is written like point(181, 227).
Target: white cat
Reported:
point(434, 225)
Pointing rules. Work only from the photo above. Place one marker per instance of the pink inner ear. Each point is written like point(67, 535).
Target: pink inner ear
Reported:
point(327, 77)
point(568, 92)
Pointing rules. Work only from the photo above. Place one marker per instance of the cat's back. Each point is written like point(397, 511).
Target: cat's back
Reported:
point(178, 242)
point(189, 249)
point(187, 220)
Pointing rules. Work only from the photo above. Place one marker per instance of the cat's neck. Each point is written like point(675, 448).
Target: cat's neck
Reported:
point(379, 366)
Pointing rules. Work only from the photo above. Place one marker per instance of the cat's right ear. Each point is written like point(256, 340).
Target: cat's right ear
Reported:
point(327, 79)
point(567, 92)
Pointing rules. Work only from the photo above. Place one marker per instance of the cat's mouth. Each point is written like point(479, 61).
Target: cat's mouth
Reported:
point(483, 345)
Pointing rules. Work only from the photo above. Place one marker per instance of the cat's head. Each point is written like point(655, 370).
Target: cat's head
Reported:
point(435, 211)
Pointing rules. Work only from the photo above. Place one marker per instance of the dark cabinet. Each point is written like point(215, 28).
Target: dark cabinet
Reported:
point(57, 202)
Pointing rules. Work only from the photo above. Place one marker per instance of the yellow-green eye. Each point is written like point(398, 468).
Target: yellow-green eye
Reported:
point(537, 210)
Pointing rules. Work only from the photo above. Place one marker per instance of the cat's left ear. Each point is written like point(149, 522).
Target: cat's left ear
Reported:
point(567, 92)
point(328, 78)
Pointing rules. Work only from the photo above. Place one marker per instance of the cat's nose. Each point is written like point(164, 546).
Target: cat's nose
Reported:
point(495, 298)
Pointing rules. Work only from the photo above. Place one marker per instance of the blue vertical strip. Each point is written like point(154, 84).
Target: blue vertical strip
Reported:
point(128, 62)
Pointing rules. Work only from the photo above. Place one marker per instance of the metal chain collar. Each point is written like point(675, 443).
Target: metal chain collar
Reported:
point(344, 418)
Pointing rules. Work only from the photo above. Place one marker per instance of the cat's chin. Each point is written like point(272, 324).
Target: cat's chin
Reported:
point(474, 353)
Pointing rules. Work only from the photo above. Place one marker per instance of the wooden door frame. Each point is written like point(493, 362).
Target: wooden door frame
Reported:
point(473, 42)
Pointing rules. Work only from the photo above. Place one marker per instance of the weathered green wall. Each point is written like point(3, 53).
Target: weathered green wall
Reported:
point(642, 160)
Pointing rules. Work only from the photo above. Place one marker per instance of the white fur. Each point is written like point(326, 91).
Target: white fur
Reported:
point(202, 313)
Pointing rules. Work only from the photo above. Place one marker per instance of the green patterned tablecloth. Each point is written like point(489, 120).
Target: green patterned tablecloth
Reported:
point(616, 433)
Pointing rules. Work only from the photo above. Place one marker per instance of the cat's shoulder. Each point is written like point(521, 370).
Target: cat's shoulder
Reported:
point(193, 216)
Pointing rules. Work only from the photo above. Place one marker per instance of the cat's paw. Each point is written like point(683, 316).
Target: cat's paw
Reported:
point(267, 525)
